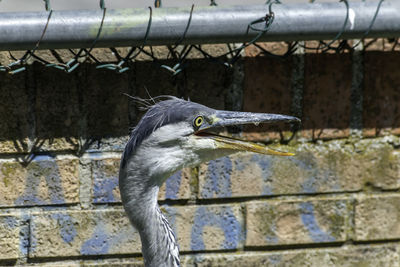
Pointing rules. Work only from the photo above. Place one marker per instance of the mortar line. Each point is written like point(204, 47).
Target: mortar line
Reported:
point(30, 85)
point(84, 167)
point(356, 98)
point(297, 80)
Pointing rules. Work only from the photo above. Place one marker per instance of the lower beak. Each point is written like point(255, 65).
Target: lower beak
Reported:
point(231, 118)
point(225, 142)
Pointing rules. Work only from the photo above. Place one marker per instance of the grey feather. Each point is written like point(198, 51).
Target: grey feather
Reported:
point(172, 110)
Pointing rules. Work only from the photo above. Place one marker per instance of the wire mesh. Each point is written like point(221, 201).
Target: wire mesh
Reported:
point(178, 52)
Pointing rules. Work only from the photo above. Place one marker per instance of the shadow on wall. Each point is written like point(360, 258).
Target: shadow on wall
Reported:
point(45, 109)
point(329, 97)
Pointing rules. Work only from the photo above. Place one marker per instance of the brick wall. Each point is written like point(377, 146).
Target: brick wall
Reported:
point(335, 203)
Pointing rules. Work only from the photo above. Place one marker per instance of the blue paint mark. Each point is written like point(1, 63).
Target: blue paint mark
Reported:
point(218, 184)
point(265, 163)
point(239, 165)
point(27, 240)
point(275, 259)
point(173, 184)
point(103, 189)
point(104, 183)
point(97, 244)
point(67, 228)
point(310, 222)
point(49, 169)
point(316, 176)
point(272, 238)
point(11, 222)
point(224, 219)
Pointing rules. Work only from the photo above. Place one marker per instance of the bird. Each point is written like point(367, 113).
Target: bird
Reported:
point(175, 133)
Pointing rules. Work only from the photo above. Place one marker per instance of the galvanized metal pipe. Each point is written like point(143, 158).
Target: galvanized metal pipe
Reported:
point(127, 27)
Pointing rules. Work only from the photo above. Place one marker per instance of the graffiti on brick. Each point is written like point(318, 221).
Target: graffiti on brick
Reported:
point(218, 182)
point(98, 243)
point(45, 181)
point(46, 167)
point(173, 185)
point(265, 163)
point(221, 218)
point(311, 224)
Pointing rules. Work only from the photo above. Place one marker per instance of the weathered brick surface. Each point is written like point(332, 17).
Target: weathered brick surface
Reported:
point(330, 167)
point(106, 108)
point(57, 109)
point(271, 223)
point(377, 217)
point(44, 181)
point(267, 88)
point(381, 107)
point(14, 113)
point(74, 233)
point(202, 82)
point(105, 182)
point(276, 48)
point(368, 256)
point(10, 228)
point(381, 44)
point(209, 227)
point(326, 98)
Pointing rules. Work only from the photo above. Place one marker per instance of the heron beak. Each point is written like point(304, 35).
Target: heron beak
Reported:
point(231, 118)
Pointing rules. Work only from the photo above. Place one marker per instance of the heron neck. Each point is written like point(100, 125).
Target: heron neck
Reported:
point(159, 246)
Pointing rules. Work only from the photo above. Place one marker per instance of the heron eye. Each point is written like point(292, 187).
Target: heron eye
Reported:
point(198, 121)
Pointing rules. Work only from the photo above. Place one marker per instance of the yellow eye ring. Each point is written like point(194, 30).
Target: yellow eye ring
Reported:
point(198, 121)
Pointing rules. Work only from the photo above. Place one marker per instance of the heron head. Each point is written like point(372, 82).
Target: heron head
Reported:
point(175, 133)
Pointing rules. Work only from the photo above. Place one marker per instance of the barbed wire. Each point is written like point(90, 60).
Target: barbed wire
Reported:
point(178, 52)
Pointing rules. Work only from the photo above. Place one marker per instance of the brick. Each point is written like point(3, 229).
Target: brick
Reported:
point(74, 233)
point(107, 144)
point(377, 217)
point(380, 44)
point(209, 227)
point(105, 182)
point(10, 229)
point(57, 109)
point(369, 256)
point(162, 53)
point(207, 83)
point(44, 181)
point(329, 167)
point(106, 107)
point(115, 263)
point(103, 232)
point(381, 95)
point(271, 223)
point(267, 89)
point(316, 47)
point(276, 48)
point(202, 82)
point(15, 115)
point(379, 165)
point(326, 97)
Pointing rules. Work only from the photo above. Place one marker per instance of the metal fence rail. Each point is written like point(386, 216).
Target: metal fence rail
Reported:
point(167, 26)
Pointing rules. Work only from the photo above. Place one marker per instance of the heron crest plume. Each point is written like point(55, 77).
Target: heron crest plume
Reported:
point(173, 134)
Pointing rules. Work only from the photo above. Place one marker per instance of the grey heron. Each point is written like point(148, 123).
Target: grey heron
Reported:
point(175, 133)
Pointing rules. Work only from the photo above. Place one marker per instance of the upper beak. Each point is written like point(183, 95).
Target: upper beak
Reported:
point(230, 118)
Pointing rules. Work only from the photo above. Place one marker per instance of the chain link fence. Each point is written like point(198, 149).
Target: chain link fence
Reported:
point(120, 60)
